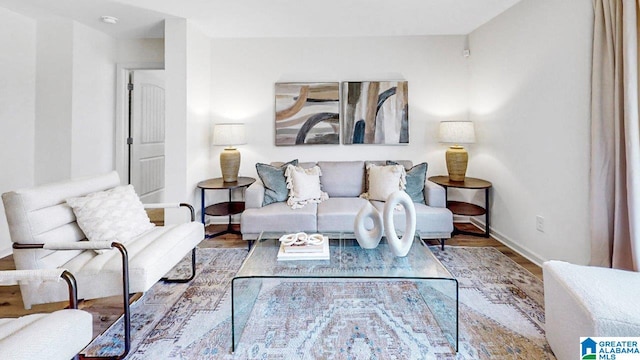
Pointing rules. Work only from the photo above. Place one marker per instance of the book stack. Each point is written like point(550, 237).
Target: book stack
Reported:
point(304, 251)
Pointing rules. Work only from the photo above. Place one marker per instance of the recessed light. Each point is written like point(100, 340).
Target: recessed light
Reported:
point(109, 19)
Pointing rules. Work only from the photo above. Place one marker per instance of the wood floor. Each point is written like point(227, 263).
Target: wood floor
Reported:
point(107, 310)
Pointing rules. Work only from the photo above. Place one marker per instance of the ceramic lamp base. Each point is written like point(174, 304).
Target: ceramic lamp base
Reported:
point(230, 164)
point(457, 159)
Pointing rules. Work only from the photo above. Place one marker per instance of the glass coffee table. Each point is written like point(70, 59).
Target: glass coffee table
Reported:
point(348, 261)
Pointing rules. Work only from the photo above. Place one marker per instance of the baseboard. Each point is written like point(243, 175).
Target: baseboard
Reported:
point(221, 222)
point(5, 252)
point(528, 254)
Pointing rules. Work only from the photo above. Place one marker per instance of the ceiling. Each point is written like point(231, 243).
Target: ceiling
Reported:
point(275, 18)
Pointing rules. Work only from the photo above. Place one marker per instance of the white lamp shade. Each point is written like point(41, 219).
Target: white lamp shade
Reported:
point(457, 132)
point(228, 134)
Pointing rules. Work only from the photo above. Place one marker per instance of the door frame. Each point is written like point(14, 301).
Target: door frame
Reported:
point(122, 114)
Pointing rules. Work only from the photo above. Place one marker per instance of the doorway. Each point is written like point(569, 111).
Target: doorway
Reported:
point(147, 134)
point(140, 131)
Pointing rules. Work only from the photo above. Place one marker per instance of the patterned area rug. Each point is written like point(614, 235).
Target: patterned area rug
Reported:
point(501, 315)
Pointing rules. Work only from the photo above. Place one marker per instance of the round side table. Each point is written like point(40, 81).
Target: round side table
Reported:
point(227, 208)
point(464, 208)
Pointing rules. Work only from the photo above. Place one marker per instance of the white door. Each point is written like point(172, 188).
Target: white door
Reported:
point(146, 135)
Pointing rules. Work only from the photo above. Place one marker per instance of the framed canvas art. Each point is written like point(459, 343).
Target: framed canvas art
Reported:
point(375, 112)
point(307, 113)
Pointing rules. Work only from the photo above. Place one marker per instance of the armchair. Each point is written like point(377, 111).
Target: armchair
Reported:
point(58, 335)
point(46, 235)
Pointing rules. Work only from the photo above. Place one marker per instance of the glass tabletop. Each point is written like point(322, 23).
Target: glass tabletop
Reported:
point(347, 259)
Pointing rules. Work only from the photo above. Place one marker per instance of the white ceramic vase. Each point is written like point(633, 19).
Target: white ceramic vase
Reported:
point(399, 246)
point(368, 238)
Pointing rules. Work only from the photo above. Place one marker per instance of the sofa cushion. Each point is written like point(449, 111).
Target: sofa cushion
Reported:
point(408, 164)
point(429, 220)
point(279, 217)
point(304, 186)
point(382, 181)
point(416, 177)
point(342, 178)
point(151, 256)
point(111, 215)
point(275, 184)
point(339, 213)
point(58, 335)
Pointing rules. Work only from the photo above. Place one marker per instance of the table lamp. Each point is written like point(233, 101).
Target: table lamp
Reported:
point(229, 135)
point(456, 133)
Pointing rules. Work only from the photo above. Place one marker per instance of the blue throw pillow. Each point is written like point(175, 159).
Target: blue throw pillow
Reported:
point(275, 184)
point(416, 176)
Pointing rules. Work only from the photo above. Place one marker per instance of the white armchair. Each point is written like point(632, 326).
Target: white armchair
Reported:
point(46, 235)
point(58, 335)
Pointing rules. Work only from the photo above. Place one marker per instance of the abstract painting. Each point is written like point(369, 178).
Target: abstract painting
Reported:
point(375, 112)
point(307, 113)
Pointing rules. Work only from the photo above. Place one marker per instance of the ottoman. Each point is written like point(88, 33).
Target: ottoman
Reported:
point(583, 301)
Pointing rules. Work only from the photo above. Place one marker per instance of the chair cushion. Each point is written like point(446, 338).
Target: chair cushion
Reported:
point(274, 181)
point(58, 335)
point(111, 215)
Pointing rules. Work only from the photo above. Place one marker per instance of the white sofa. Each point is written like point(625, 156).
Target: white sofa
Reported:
point(344, 181)
point(588, 301)
point(46, 235)
point(39, 215)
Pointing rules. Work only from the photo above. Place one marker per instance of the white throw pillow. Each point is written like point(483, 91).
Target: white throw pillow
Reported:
point(111, 215)
point(304, 186)
point(383, 181)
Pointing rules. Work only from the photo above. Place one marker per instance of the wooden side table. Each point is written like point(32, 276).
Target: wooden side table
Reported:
point(227, 208)
point(464, 208)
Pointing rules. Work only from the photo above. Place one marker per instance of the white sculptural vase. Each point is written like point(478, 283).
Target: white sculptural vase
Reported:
point(399, 246)
point(368, 238)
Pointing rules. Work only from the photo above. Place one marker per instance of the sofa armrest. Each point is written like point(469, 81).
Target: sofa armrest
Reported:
point(172, 205)
point(434, 195)
point(254, 195)
point(15, 277)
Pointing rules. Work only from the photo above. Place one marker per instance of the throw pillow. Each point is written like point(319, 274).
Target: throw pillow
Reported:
point(111, 215)
point(416, 176)
point(275, 184)
point(383, 181)
point(304, 186)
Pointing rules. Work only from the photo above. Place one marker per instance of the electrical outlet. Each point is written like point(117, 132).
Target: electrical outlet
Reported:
point(539, 223)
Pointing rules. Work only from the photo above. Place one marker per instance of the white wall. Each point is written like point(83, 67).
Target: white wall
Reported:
point(75, 101)
point(56, 103)
point(176, 161)
point(17, 108)
point(188, 81)
point(530, 100)
point(140, 51)
point(53, 100)
point(244, 72)
point(93, 104)
point(198, 112)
